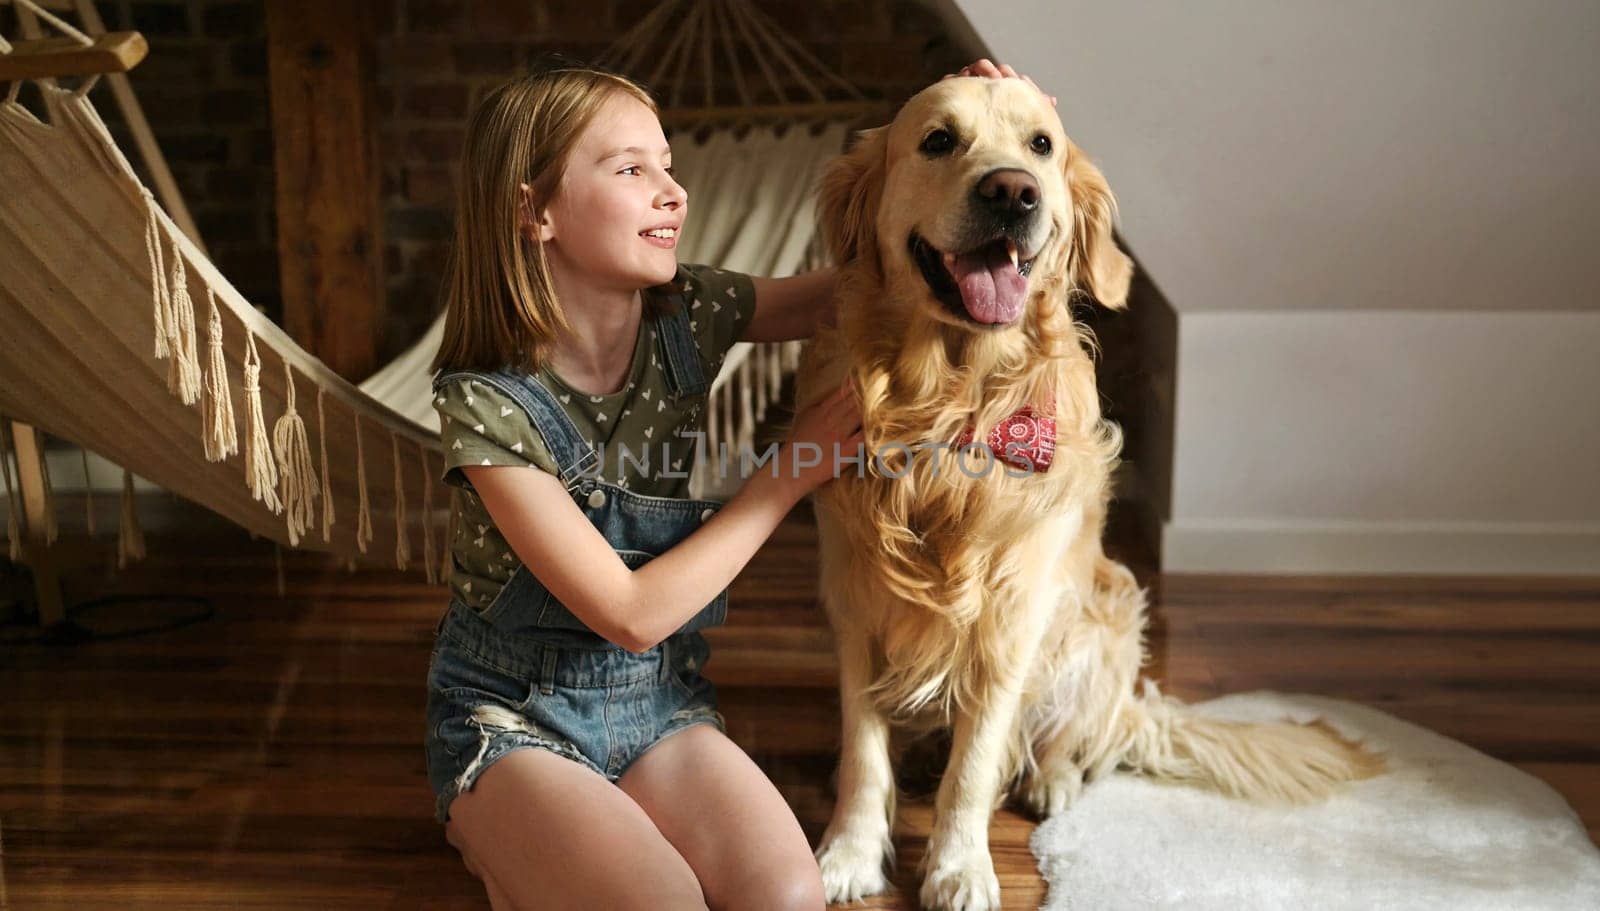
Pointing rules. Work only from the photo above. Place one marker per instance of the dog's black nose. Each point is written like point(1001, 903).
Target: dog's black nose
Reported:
point(1009, 192)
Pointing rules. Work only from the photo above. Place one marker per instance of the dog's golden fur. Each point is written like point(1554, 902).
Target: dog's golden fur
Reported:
point(985, 604)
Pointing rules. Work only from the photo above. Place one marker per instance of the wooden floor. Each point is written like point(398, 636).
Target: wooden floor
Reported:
point(270, 756)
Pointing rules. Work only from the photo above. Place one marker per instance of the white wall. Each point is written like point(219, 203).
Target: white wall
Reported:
point(1387, 442)
point(1367, 154)
point(1375, 221)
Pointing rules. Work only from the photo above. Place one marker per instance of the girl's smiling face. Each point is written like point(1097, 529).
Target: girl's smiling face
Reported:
point(617, 188)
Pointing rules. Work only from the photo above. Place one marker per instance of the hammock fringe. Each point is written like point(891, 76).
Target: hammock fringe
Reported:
point(402, 537)
point(299, 478)
point(130, 539)
point(220, 433)
point(158, 272)
point(364, 515)
point(259, 473)
point(327, 479)
point(183, 375)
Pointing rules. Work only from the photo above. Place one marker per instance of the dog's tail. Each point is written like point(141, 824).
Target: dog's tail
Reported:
point(1278, 761)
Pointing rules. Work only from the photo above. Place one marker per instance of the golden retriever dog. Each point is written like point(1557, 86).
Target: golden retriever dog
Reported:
point(980, 602)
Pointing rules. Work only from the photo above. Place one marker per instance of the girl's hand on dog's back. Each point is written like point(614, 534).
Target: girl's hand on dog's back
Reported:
point(834, 421)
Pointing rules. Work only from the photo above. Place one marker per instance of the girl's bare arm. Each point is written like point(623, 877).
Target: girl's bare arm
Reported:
point(636, 609)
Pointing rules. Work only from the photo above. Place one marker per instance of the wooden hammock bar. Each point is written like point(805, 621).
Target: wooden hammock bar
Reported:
point(43, 58)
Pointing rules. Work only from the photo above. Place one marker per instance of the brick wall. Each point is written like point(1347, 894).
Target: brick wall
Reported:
point(204, 90)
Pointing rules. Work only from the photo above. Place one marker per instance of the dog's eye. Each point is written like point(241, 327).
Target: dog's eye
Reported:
point(1041, 144)
point(938, 142)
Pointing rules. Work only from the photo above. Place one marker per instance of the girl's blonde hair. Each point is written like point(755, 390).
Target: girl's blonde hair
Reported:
point(500, 303)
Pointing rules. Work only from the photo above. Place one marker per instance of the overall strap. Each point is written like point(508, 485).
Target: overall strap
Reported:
point(574, 457)
point(680, 356)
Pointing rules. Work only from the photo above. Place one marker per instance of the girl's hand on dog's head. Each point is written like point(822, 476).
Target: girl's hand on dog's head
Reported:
point(986, 68)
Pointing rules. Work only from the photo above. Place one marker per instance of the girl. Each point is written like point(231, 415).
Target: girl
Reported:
point(572, 742)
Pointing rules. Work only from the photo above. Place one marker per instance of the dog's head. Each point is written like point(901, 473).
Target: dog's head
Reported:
point(975, 195)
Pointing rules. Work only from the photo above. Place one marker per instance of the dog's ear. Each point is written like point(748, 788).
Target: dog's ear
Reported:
point(1095, 264)
point(848, 196)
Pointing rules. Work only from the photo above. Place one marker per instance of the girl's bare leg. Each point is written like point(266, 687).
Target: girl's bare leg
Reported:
point(543, 832)
point(725, 817)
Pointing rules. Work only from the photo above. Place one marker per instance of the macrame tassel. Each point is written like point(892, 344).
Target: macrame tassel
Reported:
point(427, 518)
point(221, 435)
point(13, 526)
point(130, 542)
point(364, 514)
point(259, 474)
point(51, 530)
point(402, 539)
point(158, 272)
point(88, 493)
point(327, 479)
point(183, 374)
point(289, 446)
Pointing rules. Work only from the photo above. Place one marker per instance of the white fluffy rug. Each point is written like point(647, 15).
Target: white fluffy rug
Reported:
point(1446, 828)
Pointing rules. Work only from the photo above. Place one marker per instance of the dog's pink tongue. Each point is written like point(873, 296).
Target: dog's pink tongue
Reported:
point(991, 286)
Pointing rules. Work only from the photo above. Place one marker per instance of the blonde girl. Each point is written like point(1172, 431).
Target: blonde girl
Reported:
point(572, 741)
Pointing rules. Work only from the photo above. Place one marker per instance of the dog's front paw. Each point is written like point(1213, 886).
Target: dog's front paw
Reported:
point(961, 884)
point(1048, 793)
point(852, 869)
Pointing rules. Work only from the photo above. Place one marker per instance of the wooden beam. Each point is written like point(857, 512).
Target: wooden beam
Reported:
point(117, 52)
point(320, 66)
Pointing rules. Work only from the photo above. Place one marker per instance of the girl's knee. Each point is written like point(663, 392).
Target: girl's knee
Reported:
point(796, 888)
point(803, 891)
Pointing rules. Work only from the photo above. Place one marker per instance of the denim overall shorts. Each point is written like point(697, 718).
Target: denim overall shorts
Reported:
point(525, 673)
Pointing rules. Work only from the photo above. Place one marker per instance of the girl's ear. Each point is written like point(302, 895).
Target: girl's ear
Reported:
point(1094, 262)
point(530, 220)
point(848, 197)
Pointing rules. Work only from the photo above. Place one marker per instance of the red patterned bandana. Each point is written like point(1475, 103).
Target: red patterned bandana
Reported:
point(1030, 436)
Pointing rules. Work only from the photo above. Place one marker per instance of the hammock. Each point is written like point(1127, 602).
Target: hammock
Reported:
point(99, 287)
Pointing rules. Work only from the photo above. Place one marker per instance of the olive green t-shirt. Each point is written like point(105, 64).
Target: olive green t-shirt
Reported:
point(479, 425)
